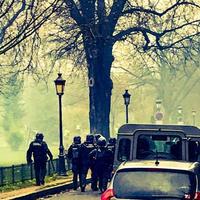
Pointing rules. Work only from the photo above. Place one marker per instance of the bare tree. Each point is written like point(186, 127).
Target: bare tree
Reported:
point(21, 19)
point(172, 79)
point(88, 30)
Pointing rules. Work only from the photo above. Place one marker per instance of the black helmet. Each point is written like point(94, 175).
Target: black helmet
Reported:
point(77, 140)
point(101, 142)
point(90, 138)
point(97, 136)
point(39, 136)
point(112, 141)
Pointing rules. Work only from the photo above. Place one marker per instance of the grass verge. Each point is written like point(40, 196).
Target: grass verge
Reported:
point(29, 183)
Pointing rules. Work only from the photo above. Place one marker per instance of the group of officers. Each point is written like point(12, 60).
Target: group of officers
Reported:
point(94, 154)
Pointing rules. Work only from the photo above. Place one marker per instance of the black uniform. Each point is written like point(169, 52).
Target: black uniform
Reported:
point(102, 160)
point(40, 150)
point(74, 156)
point(111, 146)
point(85, 163)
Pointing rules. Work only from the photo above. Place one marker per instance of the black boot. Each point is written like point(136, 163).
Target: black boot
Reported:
point(82, 189)
point(75, 186)
point(95, 188)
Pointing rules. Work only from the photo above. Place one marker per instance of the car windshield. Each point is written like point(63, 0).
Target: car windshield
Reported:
point(154, 183)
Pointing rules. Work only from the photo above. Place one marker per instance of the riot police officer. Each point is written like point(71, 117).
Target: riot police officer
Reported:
point(85, 164)
point(39, 149)
point(74, 156)
point(111, 146)
point(102, 159)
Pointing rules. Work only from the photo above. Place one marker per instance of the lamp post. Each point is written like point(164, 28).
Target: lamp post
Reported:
point(158, 104)
point(194, 116)
point(60, 84)
point(126, 97)
point(180, 115)
point(158, 115)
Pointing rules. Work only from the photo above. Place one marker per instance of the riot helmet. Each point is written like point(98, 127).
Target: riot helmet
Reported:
point(101, 142)
point(39, 136)
point(112, 141)
point(97, 136)
point(77, 140)
point(90, 138)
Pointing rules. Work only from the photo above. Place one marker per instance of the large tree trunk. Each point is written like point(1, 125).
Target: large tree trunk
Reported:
point(99, 58)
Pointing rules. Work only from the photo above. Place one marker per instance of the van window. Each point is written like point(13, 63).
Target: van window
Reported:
point(193, 151)
point(162, 146)
point(124, 149)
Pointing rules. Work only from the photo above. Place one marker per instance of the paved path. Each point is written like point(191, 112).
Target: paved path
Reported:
point(76, 195)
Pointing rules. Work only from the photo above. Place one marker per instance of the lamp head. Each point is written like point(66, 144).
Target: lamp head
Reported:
point(180, 109)
point(158, 103)
point(194, 112)
point(60, 84)
point(126, 97)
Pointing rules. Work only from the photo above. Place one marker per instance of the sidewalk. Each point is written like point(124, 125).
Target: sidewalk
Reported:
point(35, 192)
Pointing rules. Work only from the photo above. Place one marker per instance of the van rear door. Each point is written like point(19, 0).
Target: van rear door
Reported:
point(163, 144)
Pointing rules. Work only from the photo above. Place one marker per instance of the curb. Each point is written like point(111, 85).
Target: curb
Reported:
point(45, 192)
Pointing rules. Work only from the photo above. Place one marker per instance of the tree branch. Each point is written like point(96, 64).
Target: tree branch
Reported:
point(30, 28)
point(7, 9)
point(160, 14)
point(10, 22)
point(74, 12)
point(115, 13)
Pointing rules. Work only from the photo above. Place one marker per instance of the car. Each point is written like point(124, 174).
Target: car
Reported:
point(155, 179)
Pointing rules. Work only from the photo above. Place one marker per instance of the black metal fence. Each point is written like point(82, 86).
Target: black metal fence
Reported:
point(23, 172)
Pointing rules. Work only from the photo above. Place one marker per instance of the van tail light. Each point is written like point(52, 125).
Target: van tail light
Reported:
point(107, 195)
point(197, 196)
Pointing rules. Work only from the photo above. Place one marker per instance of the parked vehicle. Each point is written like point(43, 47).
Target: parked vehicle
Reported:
point(154, 179)
point(145, 141)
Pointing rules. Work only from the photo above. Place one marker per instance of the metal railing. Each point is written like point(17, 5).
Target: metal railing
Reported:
point(19, 173)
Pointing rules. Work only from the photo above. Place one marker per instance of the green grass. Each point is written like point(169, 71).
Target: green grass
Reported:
point(25, 184)
point(19, 185)
point(29, 183)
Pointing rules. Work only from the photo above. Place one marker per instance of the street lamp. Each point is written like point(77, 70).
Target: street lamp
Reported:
point(60, 84)
point(194, 116)
point(180, 115)
point(159, 114)
point(158, 104)
point(180, 110)
point(126, 97)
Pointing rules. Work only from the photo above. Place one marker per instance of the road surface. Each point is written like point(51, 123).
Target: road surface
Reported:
point(76, 195)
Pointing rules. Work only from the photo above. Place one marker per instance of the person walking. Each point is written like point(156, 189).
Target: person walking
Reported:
point(74, 155)
point(39, 149)
point(85, 164)
point(111, 146)
point(102, 159)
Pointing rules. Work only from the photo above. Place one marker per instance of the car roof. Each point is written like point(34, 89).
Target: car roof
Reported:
point(163, 164)
point(131, 128)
